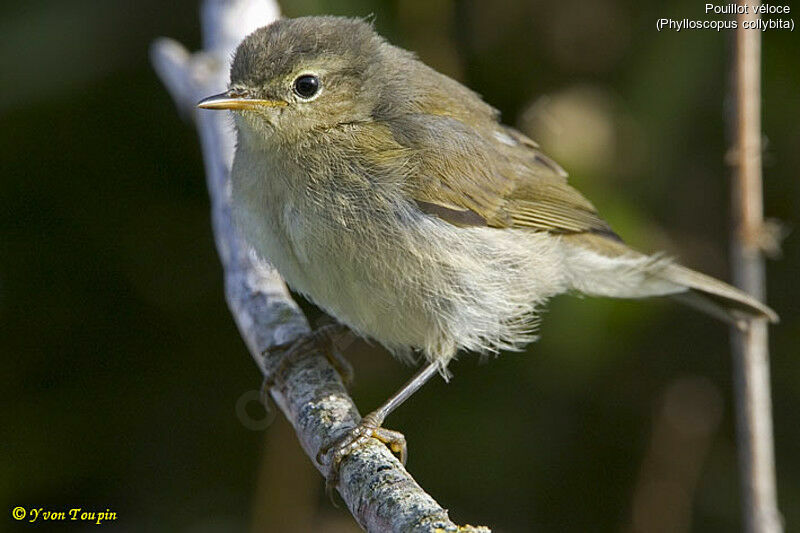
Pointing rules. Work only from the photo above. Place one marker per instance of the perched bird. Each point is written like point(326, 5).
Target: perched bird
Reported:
point(393, 198)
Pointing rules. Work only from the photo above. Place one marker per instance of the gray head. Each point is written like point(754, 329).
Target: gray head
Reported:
point(306, 73)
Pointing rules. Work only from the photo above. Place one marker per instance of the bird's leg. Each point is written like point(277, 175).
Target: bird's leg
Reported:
point(336, 338)
point(322, 339)
point(370, 427)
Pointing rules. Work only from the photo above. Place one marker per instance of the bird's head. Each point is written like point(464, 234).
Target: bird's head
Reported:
point(303, 74)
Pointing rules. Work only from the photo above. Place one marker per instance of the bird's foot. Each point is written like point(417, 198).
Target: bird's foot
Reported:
point(368, 428)
point(336, 338)
point(322, 339)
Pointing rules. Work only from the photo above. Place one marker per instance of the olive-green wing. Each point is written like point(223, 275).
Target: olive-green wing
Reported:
point(497, 177)
point(489, 174)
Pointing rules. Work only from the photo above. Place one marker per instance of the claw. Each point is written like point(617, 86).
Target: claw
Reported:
point(322, 339)
point(368, 428)
point(263, 393)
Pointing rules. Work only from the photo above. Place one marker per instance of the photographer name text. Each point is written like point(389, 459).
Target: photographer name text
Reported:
point(33, 515)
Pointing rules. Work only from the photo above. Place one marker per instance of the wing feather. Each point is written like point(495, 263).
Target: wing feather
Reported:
point(493, 171)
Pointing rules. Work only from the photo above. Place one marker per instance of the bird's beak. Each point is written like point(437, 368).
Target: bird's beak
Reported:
point(230, 100)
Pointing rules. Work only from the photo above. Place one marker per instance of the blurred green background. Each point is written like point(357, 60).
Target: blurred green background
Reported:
point(122, 367)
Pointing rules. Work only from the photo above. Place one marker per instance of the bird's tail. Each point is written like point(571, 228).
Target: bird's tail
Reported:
point(601, 266)
point(715, 297)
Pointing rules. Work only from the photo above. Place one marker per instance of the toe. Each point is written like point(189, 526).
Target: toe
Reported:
point(395, 440)
point(355, 439)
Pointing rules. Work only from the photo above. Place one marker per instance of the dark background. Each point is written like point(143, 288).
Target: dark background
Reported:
point(122, 366)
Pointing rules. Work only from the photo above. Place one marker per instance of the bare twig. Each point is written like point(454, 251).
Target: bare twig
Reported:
point(751, 353)
point(379, 492)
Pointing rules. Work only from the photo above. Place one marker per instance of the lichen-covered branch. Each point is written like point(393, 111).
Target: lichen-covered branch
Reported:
point(376, 488)
point(751, 352)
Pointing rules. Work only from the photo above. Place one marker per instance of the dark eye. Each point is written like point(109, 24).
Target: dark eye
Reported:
point(306, 86)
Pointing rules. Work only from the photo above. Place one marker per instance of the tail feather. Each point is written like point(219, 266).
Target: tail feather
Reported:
point(711, 295)
point(605, 267)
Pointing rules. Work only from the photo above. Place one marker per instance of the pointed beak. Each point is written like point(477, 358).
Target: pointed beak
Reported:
point(230, 100)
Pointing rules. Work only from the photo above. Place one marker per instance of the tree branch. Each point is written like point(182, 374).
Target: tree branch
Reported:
point(379, 492)
point(751, 352)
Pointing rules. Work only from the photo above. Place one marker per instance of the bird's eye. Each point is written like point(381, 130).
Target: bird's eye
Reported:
point(306, 86)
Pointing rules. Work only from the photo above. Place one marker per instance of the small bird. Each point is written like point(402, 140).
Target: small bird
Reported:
point(394, 199)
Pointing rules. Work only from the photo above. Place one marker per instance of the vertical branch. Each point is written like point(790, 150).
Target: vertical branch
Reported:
point(751, 353)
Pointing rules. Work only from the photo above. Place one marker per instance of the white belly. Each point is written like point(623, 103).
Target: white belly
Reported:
point(408, 282)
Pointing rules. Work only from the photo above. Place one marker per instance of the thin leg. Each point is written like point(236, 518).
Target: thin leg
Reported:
point(412, 386)
point(370, 427)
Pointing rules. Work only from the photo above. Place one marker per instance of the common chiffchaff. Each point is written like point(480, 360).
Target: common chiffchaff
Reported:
point(393, 198)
